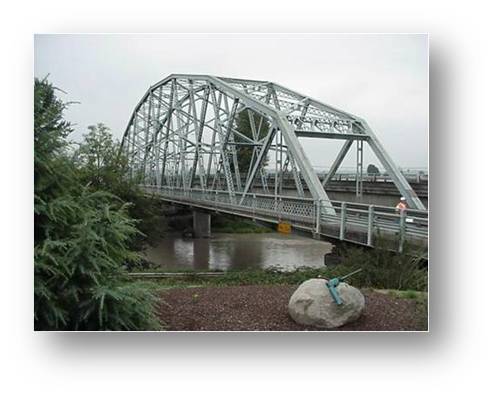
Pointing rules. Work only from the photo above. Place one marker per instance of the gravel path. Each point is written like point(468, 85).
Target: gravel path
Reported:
point(264, 308)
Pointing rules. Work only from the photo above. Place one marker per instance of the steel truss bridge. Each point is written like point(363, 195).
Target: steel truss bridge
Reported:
point(205, 141)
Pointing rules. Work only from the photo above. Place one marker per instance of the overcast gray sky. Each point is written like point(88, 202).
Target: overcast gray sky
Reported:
point(382, 78)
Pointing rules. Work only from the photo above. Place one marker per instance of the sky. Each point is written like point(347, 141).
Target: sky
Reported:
point(381, 78)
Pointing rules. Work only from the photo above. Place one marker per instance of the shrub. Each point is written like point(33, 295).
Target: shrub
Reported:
point(383, 268)
point(101, 166)
point(81, 239)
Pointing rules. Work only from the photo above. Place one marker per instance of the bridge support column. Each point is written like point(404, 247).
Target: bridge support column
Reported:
point(201, 224)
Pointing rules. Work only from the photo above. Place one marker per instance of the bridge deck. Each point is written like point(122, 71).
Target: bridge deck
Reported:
point(357, 223)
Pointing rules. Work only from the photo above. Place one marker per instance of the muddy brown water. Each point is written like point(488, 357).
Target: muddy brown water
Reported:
point(238, 251)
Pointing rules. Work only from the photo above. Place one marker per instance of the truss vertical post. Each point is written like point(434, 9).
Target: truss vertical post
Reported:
point(281, 166)
point(200, 130)
point(318, 219)
point(147, 126)
point(370, 226)
point(133, 145)
point(181, 167)
point(403, 218)
point(360, 165)
point(342, 221)
point(230, 146)
point(167, 133)
point(155, 132)
point(224, 156)
point(276, 165)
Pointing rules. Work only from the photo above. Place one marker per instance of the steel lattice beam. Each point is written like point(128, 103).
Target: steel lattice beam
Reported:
point(184, 134)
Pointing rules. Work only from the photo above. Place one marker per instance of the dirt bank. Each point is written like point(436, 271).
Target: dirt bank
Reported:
point(264, 308)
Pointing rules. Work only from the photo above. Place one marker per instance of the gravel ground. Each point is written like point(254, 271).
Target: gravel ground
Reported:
point(264, 308)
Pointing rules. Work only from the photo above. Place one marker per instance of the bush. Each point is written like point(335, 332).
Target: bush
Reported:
point(383, 268)
point(101, 166)
point(81, 239)
point(370, 277)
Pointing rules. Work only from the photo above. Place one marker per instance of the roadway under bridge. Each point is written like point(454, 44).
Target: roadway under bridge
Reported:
point(205, 142)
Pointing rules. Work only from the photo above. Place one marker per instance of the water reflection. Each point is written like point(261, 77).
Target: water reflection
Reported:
point(237, 251)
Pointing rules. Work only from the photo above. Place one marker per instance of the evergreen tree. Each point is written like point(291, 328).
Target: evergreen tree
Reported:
point(81, 239)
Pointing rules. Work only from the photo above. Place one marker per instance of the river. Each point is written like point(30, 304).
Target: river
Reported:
point(237, 251)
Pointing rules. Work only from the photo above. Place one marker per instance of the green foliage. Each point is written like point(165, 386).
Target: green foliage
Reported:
point(52, 174)
point(99, 162)
point(81, 239)
point(149, 211)
point(233, 224)
point(100, 165)
point(383, 268)
point(410, 294)
point(242, 124)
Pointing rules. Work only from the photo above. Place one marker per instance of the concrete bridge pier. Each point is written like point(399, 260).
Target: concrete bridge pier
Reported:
point(202, 224)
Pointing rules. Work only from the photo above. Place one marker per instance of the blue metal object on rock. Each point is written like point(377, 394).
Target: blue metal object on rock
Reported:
point(334, 282)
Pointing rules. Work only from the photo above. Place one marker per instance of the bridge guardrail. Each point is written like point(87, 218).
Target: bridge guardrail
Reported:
point(355, 222)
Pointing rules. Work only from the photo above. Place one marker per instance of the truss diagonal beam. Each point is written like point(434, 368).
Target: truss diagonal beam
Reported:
point(260, 158)
point(175, 134)
point(339, 159)
point(398, 178)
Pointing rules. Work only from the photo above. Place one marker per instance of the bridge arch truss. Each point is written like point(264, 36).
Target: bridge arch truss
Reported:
point(204, 141)
point(184, 134)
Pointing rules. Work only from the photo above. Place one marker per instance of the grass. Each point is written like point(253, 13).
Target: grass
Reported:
point(259, 276)
point(381, 269)
point(233, 224)
point(384, 269)
point(407, 294)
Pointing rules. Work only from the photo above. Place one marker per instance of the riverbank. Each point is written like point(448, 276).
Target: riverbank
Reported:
point(256, 299)
point(243, 281)
point(264, 308)
point(387, 277)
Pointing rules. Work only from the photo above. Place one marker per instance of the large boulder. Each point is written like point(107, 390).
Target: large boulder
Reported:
point(312, 304)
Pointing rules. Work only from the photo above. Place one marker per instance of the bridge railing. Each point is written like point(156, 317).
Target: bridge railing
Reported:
point(355, 222)
point(299, 209)
point(409, 225)
point(415, 177)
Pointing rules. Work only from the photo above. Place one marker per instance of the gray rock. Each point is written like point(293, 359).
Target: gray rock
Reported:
point(312, 304)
